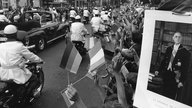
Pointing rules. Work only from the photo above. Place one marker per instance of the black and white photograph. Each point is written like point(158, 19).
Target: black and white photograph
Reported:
point(164, 78)
point(170, 64)
point(95, 53)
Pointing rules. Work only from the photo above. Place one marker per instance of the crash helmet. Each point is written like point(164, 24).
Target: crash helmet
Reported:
point(1, 11)
point(78, 17)
point(10, 31)
point(16, 18)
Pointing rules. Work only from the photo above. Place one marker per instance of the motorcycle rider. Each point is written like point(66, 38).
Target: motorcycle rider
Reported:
point(72, 14)
point(96, 21)
point(13, 57)
point(78, 30)
point(86, 14)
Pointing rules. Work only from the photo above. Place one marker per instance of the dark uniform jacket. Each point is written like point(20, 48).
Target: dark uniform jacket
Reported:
point(180, 62)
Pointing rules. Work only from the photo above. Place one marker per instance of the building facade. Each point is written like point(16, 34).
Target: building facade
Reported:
point(5, 4)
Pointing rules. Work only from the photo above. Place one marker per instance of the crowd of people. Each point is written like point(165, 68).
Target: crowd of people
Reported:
point(124, 26)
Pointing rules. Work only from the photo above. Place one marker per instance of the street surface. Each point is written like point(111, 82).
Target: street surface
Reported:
point(56, 80)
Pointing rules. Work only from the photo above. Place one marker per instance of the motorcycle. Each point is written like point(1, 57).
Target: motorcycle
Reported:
point(9, 97)
point(79, 45)
point(86, 20)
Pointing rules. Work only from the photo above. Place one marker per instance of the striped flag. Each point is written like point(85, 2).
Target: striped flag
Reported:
point(68, 102)
point(97, 57)
point(90, 42)
point(71, 59)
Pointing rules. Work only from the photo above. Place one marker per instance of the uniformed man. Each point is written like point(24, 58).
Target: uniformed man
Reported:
point(96, 22)
point(78, 30)
point(13, 56)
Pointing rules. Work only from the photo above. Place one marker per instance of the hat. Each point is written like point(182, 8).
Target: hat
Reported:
point(77, 17)
point(16, 17)
point(10, 29)
point(1, 11)
point(96, 12)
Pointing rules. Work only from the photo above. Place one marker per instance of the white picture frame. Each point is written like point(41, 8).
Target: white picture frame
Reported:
point(143, 97)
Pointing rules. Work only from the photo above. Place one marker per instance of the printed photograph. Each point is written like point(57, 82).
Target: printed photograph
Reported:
point(170, 69)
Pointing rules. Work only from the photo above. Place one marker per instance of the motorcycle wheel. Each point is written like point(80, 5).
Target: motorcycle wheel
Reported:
point(39, 88)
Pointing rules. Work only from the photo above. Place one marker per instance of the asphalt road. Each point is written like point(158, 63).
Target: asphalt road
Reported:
point(56, 80)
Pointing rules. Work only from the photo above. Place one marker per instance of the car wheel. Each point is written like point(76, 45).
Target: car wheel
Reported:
point(41, 44)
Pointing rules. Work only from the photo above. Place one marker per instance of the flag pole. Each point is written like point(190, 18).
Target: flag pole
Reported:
point(79, 80)
point(68, 78)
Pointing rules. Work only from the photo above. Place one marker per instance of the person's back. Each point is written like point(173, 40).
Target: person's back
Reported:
point(95, 23)
point(10, 61)
point(95, 11)
point(105, 17)
point(86, 13)
point(13, 55)
point(77, 30)
point(72, 13)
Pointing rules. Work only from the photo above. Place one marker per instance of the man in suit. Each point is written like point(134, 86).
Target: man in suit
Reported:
point(174, 67)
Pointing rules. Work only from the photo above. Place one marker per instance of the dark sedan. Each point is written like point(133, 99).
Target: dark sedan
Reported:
point(38, 28)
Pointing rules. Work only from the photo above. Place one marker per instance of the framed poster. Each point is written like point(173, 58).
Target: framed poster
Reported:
point(165, 74)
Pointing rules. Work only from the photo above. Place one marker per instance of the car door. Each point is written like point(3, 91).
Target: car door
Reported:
point(50, 27)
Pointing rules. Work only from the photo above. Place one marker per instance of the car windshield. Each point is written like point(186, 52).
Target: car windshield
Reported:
point(46, 17)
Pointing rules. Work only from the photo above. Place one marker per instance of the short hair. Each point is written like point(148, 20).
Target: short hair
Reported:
point(177, 33)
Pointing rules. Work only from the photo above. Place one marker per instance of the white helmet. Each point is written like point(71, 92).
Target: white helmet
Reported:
point(1, 11)
point(10, 29)
point(16, 17)
point(77, 17)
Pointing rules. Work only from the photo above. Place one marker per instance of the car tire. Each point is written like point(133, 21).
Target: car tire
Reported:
point(41, 44)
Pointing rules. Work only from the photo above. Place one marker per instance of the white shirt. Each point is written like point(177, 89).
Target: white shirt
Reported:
point(174, 52)
point(3, 18)
point(72, 13)
point(77, 31)
point(105, 17)
point(102, 13)
point(11, 57)
point(86, 13)
point(95, 12)
point(95, 23)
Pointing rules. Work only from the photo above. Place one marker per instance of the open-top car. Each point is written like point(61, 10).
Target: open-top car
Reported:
point(41, 28)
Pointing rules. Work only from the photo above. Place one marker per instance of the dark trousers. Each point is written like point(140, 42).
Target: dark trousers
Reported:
point(33, 83)
point(170, 85)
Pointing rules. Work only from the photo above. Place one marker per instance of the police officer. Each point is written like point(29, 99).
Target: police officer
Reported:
point(78, 30)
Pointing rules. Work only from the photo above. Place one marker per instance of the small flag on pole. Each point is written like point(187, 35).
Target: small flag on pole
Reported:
point(90, 42)
point(71, 59)
point(66, 98)
point(97, 57)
